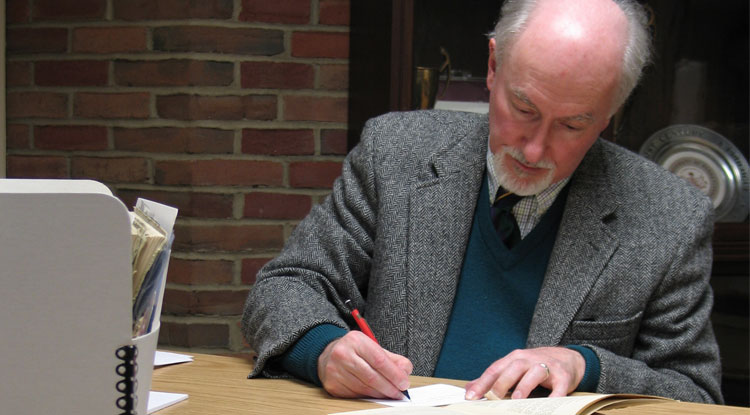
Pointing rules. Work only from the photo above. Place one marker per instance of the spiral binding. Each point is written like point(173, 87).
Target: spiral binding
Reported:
point(128, 402)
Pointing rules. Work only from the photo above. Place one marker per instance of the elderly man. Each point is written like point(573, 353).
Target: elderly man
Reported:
point(516, 249)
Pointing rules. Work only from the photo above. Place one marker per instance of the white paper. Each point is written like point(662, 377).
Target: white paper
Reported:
point(411, 410)
point(161, 400)
point(162, 358)
point(430, 395)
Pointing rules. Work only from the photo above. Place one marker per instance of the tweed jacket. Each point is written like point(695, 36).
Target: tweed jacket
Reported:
point(628, 274)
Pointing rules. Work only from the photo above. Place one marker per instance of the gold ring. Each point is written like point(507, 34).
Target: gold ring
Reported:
point(546, 369)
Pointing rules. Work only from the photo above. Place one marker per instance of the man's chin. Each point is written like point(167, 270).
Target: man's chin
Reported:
point(525, 186)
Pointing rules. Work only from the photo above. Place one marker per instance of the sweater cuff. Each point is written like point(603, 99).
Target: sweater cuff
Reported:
point(591, 374)
point(301, 360)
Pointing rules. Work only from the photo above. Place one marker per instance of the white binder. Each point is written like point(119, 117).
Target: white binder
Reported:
point(66, 301)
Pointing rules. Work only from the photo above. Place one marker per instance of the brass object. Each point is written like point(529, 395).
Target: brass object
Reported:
point(426, 81)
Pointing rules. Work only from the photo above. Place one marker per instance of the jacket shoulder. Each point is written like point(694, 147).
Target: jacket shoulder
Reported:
point(653, 189)
point(417, 131)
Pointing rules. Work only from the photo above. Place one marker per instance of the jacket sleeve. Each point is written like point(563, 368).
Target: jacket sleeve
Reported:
point(675, 353)
point(325, 262)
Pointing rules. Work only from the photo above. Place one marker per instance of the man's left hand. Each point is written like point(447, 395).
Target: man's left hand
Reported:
point(556, 368)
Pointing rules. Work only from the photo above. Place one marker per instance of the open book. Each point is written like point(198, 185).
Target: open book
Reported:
point(568, 405)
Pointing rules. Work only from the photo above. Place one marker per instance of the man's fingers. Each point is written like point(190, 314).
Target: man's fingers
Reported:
point(354, 365)
point(386, 370)
point(556, 368)
point(403, 363)
point(477, 388)
point(370, 371)
point(534, 377)
point(509, 377)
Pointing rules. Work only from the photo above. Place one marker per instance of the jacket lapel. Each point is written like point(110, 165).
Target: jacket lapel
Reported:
point(583, 247)
point(440, 216)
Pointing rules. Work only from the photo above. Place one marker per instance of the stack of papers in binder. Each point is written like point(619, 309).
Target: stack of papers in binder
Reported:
point(151, 234)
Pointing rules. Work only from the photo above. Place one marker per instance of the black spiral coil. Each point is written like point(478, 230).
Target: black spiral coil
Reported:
point(127, 386)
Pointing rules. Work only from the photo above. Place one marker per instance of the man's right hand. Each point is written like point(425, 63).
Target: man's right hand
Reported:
point(355, 366)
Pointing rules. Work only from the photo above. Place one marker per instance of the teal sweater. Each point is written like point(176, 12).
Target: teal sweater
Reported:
point(495, 300)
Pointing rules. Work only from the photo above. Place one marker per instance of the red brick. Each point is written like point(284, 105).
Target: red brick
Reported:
point(334, 77)
point(36, 40)
point(17, 74)
point(334, 12)
point(174, 72)
point(189, 204)
point(109, 39)
point(198, 107)
point(314, 174)
point(172, 9)
point(223, 303)
point(112, 105)
point(200, 272)
point(219, 173)
point(71, 73)
point(243, 41)
point(36, 105)
point(314, 108)
point(320, 44)
point(333, 142)
point(115, 170)
point(277, 11)
point(69, 138)
point(17, 137)
point(68, 10)
point(278, 142)
point(193, 334)
point(18, 11)
point(250, 268)
point(228, 238)
point(175, 140)
point(276, 206)
point(280, 75)
point(37, 167)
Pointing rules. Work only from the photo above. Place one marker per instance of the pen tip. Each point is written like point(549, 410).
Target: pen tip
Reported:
point(406, 393)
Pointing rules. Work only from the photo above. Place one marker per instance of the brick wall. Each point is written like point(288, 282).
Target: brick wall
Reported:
point(233, 111)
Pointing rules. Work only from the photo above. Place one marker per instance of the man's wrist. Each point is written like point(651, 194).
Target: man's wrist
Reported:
point(301, 359)
point(590, 379)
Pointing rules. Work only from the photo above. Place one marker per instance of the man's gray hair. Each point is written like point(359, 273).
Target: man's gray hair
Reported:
point(514, 17)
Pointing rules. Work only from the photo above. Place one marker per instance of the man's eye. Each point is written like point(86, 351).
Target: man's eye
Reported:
point(572, 127)
point(524, 111)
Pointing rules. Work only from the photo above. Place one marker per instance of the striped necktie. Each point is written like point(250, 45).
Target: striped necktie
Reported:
point(503, 219)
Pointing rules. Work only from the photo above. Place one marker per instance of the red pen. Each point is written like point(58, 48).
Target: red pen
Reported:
point(365, 328)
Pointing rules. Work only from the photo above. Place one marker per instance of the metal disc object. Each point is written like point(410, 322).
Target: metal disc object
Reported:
point(709, 162)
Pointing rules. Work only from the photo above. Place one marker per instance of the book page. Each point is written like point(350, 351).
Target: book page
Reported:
point(568, 405)
point(586, 404)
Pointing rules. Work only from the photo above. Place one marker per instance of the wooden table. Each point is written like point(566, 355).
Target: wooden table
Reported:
point(219, 385)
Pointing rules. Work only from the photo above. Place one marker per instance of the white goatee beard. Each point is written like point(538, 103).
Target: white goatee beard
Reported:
point(517, 181)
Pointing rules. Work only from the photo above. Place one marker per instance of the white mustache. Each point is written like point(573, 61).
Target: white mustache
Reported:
point(518, 156)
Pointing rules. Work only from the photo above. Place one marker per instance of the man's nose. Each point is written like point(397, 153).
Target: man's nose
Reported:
point(535, 143)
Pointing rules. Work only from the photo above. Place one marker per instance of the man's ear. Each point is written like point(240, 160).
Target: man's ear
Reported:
point(491, 65)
